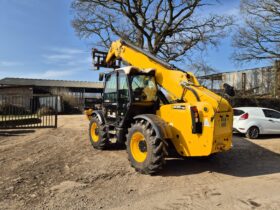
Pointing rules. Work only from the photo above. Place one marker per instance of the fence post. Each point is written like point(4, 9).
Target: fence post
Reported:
point(276, 80)
point(56, 111)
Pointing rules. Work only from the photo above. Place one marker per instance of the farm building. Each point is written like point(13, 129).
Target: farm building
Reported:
point(259, 82)
point(72, 95)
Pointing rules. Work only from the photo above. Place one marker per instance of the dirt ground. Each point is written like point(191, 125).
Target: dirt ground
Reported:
point(59, 169)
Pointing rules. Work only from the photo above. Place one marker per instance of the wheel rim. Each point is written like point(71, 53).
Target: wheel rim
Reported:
point(138, 147)
point(254, 132)
point(94, 132)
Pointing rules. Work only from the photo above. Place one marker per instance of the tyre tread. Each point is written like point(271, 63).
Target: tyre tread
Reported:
point(156, 159)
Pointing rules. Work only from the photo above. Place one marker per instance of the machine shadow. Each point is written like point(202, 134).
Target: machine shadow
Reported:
point(244, 160)
point(15, 132)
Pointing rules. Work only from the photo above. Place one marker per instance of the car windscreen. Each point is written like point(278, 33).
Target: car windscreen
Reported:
point(237, 112)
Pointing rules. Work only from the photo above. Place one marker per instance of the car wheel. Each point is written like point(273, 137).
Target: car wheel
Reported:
point(253, 133)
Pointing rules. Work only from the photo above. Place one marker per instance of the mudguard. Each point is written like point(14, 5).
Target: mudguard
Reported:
point(162, 129)
point(99, 115)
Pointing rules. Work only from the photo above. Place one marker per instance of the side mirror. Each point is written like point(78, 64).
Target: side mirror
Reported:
point(101, 77)
point(229, 90)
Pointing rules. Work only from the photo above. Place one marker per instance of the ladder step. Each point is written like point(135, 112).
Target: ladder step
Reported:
point(113, 132)
point(113, 140)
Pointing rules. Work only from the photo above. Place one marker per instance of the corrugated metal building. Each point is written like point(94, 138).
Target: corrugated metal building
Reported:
point(262, 82)
point(72, 94)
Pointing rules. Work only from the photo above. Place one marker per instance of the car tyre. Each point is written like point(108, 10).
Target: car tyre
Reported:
point(253, 132)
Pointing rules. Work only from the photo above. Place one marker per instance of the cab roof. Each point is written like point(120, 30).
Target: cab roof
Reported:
point(133, 69)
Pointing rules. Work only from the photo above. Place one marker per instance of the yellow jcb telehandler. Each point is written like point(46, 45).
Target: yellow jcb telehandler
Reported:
point(151, 106)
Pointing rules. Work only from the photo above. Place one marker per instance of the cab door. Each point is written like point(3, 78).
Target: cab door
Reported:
point(110, 98)
point(123, 96)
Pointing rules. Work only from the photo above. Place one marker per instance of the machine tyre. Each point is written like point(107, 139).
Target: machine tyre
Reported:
point(146, 152)
point(253, 132)
point(97, 134)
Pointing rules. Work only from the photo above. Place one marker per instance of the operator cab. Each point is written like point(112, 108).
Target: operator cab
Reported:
point(128, 92)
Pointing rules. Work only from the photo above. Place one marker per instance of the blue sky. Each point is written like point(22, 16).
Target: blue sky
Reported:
point(37, 41)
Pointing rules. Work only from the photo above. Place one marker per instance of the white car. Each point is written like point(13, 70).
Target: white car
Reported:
point(254, 121)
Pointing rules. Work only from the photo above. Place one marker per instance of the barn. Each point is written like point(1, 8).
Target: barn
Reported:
point(257, 82)
point(73, 96)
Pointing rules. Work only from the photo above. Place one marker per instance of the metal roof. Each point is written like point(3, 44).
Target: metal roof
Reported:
point(49, 83)
point(217, 76)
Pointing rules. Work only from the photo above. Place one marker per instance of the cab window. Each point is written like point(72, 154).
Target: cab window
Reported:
point(144, 88)
point(110, 91)
point(123, 88)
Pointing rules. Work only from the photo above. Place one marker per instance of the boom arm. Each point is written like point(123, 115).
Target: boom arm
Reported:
point(167, 76)
point(178, 83)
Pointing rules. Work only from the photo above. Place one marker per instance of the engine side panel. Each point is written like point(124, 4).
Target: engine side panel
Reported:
point(214, 137)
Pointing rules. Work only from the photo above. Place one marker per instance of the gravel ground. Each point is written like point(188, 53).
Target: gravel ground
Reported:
point(59, 169)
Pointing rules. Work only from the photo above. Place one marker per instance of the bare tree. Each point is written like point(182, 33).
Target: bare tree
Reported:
point(201, 68)
point(258, 38)
point(166, 28)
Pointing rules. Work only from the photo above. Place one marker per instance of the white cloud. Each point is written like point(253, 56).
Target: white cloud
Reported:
point(53, 74)
point(57, 57)
point(66, 50)
point(65, 55)
point(80, 61)
point(48, 74)
point(233, 11)
point(10, 64)
point(55, 63)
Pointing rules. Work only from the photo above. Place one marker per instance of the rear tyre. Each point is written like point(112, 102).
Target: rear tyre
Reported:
point(145, 151)
point(97, 134)
point(253, 133)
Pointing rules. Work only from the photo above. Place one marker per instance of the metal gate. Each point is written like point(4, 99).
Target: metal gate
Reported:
point(27, 111)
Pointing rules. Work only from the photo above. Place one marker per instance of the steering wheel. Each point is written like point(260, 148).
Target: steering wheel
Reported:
point(139, 92)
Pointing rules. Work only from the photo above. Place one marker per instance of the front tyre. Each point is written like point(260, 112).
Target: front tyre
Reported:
point(97, 134)
point(145, 151)
point(253, 133)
